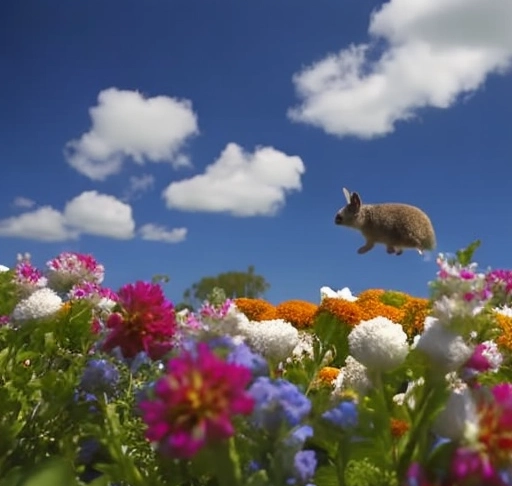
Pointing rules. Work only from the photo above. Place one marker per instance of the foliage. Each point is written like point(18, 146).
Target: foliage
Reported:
point(235, 284)
point(204, 400)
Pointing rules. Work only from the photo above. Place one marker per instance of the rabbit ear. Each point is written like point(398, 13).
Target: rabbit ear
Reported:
point(355, 201)
point(346, 192)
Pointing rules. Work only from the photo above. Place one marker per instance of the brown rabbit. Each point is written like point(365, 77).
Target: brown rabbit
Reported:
point(398, 226)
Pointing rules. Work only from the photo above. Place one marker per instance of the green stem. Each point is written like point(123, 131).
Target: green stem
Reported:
point(228, 471)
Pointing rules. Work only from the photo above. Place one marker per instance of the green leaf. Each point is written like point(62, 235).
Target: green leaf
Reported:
point(465, 255)
point(326, 476)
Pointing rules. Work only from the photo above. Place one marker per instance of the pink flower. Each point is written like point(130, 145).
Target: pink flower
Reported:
point(195, 401)
point(27, 277)
point(70, 268)
point(485, 357)
point(145, 322)
point(472, 467)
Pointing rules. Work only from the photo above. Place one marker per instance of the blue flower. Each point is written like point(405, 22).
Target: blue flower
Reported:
point(304, 465)
point(99, 376)
point(242, 355)
point(277, 402)
point(298, 436)
point(344, 415)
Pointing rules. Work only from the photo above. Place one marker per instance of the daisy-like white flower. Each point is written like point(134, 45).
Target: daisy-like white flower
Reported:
point(446, 350)
point(39, 305)
point(353, 376)
point(275, 339)
point(379, 344)
point(304, 347)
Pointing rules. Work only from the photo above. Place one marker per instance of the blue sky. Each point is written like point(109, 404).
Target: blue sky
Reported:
point(228, 129)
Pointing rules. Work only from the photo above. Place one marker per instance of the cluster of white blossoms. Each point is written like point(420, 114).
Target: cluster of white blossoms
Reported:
point(345, 293)
point(41, 304)
point(353, 376)
point(379, 344)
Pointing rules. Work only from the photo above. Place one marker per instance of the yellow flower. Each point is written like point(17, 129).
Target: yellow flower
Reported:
point(328, 374)
point(299, 313)
point(65, 309)
point(256, 309)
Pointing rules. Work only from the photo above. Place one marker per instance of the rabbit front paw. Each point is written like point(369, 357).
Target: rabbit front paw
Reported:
point(365, 248)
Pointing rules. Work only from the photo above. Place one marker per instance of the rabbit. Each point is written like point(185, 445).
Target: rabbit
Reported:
point(398, 226)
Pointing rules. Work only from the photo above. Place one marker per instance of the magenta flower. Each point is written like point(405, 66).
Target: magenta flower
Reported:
point(27, 277)
point(486, 357)
point(472, 467)
point(145, 322)
point(195, 401)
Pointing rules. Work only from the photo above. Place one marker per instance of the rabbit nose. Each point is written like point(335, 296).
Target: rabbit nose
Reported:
point(338, 219)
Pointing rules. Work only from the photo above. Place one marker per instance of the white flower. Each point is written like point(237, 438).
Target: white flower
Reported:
point(379, 344)
point(275, 339)
point(457, 416)
point(231, 324)
point(504, 311)
point(446, 350)
point(304, 347)
point(344, 293)
point(3, 268)
point(353, 376)
point(42, 303)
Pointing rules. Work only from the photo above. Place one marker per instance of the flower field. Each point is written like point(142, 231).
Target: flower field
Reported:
point(114, 387)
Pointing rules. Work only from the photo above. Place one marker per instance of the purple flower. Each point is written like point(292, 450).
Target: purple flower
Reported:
point(278, 402)
point(304, 465)
point(99, 376)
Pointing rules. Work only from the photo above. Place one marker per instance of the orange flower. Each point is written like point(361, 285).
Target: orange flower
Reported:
point(65, 309)
point(328, 374)
point(416, 311)
point(505, 324)
point(398, 427)
point(299, 313)
point(374, 308)
point(256, 309)
point(350, 313)
point(370, 294)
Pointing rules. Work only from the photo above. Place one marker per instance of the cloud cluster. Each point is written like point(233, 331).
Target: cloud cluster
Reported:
point(239, 183)
point(154, 232)
point(125, 124)
point(434, 51)
point(89, 213)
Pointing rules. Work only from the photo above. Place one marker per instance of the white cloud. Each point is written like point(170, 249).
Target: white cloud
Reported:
point(435, 51)
point(23, 202)
point(43, 224)
point(240, 183)
point(89, 213)
point(101, 215)
point(139, 185)
point(153, 232)
point(126, 124)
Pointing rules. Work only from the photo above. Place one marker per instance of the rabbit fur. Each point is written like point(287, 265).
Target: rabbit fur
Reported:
point(397, 226)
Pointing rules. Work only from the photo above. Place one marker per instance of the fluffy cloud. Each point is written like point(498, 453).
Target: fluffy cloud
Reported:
point(126, 124)
point(153, 232)
point(139, 185)
point(239, 183)
point(101, 215)
point(434, 51)
point(43, 224)
point(89, 213)
point(23, 202)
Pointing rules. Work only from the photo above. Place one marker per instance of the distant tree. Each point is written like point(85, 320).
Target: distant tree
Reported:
point(235, 284)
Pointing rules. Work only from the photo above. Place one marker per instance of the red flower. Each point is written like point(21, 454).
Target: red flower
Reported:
point(195, 401)
point(145, 322)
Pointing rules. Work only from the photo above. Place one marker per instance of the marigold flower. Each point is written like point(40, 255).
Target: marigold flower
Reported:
point(194, 402)
point(416, 311)
point(256, 309)
point(349, 313)
point(297, 312)
point(505, 324)
point(374, 308)
point(370, 295)
point(145, 322)
point(399, 427)
point(328, 375)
